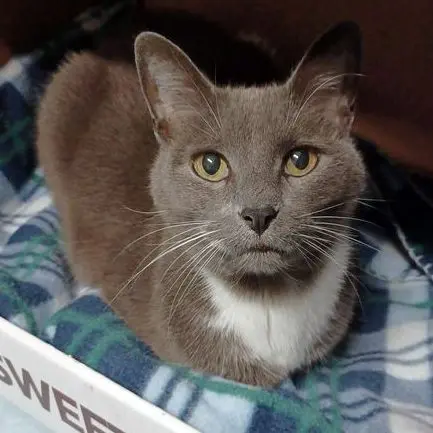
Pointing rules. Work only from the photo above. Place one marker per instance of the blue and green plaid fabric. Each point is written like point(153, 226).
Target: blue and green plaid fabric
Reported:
point(380, 379)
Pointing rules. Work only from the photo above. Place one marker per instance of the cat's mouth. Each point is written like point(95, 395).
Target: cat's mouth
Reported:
point(263, 249)
point(258, 259)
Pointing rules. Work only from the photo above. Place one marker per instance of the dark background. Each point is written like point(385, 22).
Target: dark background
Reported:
point(396, 99)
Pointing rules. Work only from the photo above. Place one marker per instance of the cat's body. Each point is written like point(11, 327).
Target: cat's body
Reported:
point(221, 276)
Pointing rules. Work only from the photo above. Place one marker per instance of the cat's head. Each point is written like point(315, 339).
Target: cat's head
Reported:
point(255, 167)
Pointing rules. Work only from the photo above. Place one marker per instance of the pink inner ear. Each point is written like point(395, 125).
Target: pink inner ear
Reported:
point(162, 128)
point(336, 109)
point(345, 113)
point(315, 72)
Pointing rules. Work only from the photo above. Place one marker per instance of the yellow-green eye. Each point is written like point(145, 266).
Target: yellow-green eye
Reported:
point(301, 161)
point(210, 166)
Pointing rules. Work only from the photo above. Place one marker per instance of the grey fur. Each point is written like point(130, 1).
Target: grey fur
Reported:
point(102, 144)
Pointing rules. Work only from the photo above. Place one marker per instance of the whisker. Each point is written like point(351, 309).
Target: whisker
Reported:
point(323, 209)
point(146, 235)
point(339, 266)
point(304, 253)
point(161, 255)
point(366, 204)
point(190, 222)
point(179, 257)
point(382, 200)
point(325, 244)
point(357, 200)
point(217, 108)
point(178, 242)
point(206, 255)
point(339, 235)
point(184, 267)
point(343, 226)
point(144, 212)
point(211, 131)
point(169, 242)
point(210, 134)
point(205, 263)
point(318, 217)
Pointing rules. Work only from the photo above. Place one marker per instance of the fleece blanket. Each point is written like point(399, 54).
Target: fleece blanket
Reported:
point(379, 379)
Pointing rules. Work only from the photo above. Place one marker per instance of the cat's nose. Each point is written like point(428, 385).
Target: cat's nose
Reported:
point(259, 219)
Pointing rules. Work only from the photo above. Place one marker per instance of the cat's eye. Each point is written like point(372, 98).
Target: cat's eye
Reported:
point(301, 161)
point(210, 166)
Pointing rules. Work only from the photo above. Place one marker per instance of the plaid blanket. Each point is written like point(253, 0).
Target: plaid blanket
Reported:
point(379, 379)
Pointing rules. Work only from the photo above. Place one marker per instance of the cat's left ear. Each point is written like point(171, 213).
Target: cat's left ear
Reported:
point(176, 92)
point(330, 71)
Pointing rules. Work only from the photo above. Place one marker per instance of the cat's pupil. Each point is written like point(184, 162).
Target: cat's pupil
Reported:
point(211, 163)
point(300, 159)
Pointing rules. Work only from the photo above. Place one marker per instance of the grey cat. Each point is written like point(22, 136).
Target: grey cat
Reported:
point(215, 220)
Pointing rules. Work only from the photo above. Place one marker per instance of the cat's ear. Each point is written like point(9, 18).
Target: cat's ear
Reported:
point(176, 92)
point(330, 70)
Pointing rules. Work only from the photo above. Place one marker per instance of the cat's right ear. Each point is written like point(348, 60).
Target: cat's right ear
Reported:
point(176, 92)
point(330, 71)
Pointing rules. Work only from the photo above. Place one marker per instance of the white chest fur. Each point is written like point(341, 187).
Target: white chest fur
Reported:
point(281, 334)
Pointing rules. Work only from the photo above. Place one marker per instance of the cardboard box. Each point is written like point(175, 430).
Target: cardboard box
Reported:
point(69, 397)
